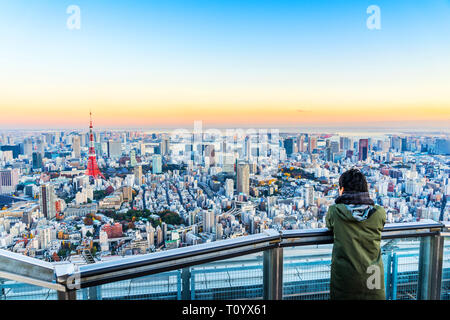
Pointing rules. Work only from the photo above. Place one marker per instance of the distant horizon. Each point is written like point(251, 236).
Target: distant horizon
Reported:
point(282, 129)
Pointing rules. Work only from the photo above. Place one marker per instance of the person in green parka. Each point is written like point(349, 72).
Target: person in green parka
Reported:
point(357, 271)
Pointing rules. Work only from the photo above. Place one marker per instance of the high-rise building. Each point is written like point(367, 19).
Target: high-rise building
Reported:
point(138, 175)
point(133, 161)
point(150, 235)
point(9, 179)
point(37, 161)
point(363, 149)
point(209, 221)
point(164, 230)
point(76, 146)
point(345, 143)
point(247, 147)
point(396, 143)
point(229, 188)
point(243, 178)
point(309, 196)
point(114, 149)
point(334, 145)
point(159, 236)
point(28, 147)
point(47, 199)
point(40, 147)
point(156, 164)
point(219, 231)
point(289, 146)
point(301, 143)
point(312, 144)
point(164, 146)
point(404, 144)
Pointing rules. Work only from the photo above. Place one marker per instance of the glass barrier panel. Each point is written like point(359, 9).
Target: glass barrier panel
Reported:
point(306, 270)
point(235, 278)
point(13, 290)
point(445, 289)
point(161, 286)
point(404, 269)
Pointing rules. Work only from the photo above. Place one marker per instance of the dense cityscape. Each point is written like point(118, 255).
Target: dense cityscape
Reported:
point(98, 195)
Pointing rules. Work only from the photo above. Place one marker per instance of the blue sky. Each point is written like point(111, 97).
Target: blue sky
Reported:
point(206, 52)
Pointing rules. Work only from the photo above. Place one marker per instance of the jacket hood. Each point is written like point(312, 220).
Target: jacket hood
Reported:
point(354, 212)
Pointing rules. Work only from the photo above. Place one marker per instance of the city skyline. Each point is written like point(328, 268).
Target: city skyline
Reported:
point(259, 64)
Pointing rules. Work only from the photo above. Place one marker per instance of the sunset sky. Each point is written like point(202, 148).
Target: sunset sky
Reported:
point(155, 64)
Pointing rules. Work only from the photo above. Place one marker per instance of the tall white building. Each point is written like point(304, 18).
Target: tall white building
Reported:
point(45, 237)
point(309, 196)
point(229, 188)
point(150, 235)
point(209, 221)
point(76, 146)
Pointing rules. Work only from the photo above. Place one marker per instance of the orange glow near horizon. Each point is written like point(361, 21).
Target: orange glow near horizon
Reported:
point(221, 115)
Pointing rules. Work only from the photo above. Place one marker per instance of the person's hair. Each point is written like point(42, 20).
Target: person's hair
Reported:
point(353, 180)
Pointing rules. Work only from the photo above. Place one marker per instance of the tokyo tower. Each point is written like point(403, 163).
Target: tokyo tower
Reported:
point(92, 168)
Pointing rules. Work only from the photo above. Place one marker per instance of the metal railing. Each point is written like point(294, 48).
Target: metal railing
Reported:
point(178, 269)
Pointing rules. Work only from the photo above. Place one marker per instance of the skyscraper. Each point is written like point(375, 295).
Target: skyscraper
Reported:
point(37, 161)
point(334, 145)
point(40, 146)
point(47, 201)
point(344, 143)
point(301, 143)
point(9, 179)
point(76, 146)
point(138, 175)
point(133, 161)
point(164, 146)
point(229, 188)
point(114, 149)
point(243, 178)
point(159, 236)
point(312, 144)
point(309, 195)
point(289, 146)
point(363, 149)
point(150, 235)
point(209, 221)
point(156, 164)
point(28, 147)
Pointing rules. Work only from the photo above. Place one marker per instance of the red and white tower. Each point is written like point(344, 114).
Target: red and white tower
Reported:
point(92, 168)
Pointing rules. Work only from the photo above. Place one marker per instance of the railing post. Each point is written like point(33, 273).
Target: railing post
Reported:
point(186, 284)
point(273, 274)
point(67, 295)
point(388, 275)
point(430, 267)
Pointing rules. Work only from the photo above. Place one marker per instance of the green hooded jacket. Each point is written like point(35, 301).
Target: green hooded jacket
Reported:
point(356, 248)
